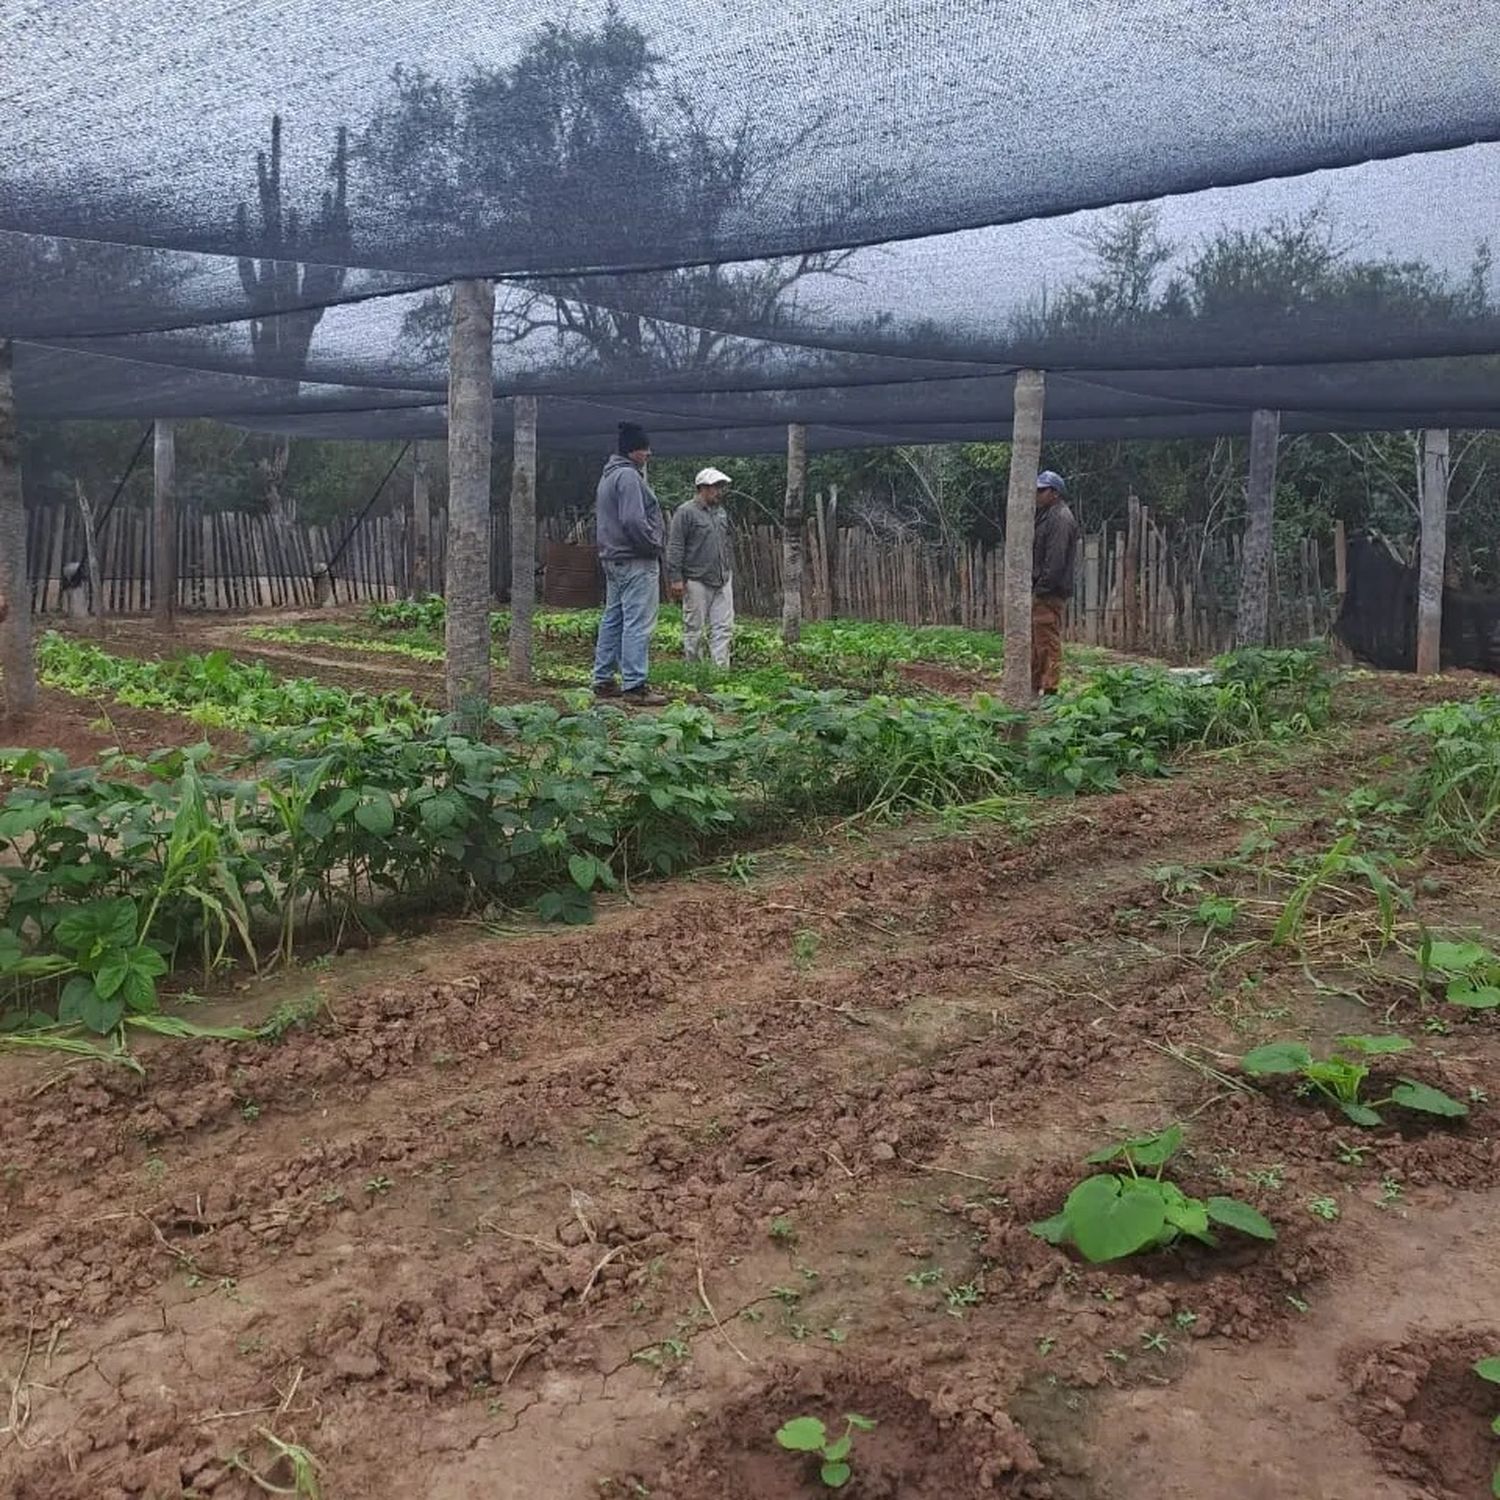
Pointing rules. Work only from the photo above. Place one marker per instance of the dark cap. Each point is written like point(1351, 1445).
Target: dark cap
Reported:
point(633, 438)
point(1047, 480)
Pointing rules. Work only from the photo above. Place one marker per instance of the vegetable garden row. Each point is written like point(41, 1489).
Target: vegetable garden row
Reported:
point(924, 1173)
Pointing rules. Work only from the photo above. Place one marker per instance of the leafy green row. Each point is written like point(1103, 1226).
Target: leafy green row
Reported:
point(1457, 792)
point(222, 691)
point(109, 870)
point(874, 644)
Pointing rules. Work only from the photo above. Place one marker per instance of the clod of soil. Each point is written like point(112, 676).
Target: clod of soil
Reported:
point(925, 1446)
point(1427, 1414)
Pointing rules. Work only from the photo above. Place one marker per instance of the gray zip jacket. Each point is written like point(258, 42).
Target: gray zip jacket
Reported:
point(700, 545)
point(627, 515)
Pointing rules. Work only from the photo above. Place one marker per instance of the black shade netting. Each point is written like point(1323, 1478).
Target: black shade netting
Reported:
point(1378, 619)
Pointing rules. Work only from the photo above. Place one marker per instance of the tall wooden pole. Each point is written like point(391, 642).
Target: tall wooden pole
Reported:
point(16, 660)
point(1252, 625)
point(421, 523)
point(1020, 526)
point(471, 413)
point(792, 520)
point(1434, 548)
point(164, 522)
point(523, 539)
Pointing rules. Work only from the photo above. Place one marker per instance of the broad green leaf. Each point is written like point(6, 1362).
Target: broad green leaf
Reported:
point(1413, 1095)
point(839, 1450)
point(1056, 1231)
point(99, 1014)
point(1376, 1046)
point(1111, 1218)
point(1233, 1214)
point(1184, 1213)
point(138, 993)
point(1277, 1057)
point(835, 1476)
point(109, 976)
point(1488, 1369)
point(584, 869)
point(377, 814)
point(802, 1435)
point(1455, 958)
point(1472, 996)
point(75, 992)
point(859, 1423)
point(1361, 1114)
point(1144, 1150)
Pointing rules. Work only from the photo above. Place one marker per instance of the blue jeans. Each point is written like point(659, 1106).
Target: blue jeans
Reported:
point(632, 594)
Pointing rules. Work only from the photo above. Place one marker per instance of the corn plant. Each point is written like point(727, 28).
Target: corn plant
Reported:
point(1114, 1214)
point(1340, 1077)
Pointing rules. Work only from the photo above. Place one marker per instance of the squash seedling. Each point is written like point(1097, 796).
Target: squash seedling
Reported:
point(1471, 971)
point(1340, 1076)
point(1112, 1214)
point(809, 1435)
point(1489, 1369)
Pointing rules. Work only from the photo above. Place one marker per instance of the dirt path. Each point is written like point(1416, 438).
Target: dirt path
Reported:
point(592, 1213)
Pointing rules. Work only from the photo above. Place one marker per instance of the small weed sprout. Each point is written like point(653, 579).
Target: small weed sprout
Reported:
point(1186, 1318)
point(303, 1469)
point(805, 943)
point(1326, 1209)
point(929, 1277)
point(808, 1435)
point(783, 1232)
point(378, 1186)
point(1155, 1343)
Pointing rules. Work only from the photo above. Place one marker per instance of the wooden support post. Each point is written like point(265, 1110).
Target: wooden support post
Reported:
point(1253, 618)
point(1020, 523)
point(471, 410)
point(523, 539)
point(164, 522)
point(421, 523)
point(16, 660)
point(93, 582)
point(792, 520)
point(1340, 561)
point(1434, 547)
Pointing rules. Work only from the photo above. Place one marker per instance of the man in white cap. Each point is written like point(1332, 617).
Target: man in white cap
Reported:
point(700, 568)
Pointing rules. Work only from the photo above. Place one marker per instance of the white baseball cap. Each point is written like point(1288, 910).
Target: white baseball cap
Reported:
point(711, 476)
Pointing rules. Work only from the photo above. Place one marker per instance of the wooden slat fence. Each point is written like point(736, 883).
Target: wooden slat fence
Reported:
point(1139, 587)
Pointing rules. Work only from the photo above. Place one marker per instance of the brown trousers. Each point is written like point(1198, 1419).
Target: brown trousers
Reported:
point(1046, 643)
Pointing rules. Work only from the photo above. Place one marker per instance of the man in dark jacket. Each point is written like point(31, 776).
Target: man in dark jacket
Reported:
point(1054, 550)
point(630, 535)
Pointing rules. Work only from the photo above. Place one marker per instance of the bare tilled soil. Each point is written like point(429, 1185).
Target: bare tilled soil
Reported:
point(593, 1213)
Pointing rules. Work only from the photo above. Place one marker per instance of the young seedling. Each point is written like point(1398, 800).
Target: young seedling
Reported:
point(783, 1232)
point(1340, 1076)
point(1111, 1215)
point(809, 1435)
point(1471, 972)
point(1326, 1209)
point(1489, 1369)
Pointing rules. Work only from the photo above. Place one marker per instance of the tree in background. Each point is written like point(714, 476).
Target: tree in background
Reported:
point(289, 282)
point(578, 140)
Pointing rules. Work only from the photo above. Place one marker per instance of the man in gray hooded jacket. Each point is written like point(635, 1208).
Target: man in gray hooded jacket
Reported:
point(628, 523)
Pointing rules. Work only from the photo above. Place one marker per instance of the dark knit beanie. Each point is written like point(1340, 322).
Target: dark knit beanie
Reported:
point(633, 438)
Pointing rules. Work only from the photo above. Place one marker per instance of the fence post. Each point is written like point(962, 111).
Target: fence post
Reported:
point(15, 586)
point(1020, 526)
point(164, 515)
point(792, 522)
point(1252, 620)
point(471, 408)
point(523, 539)
point(1434, 546)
